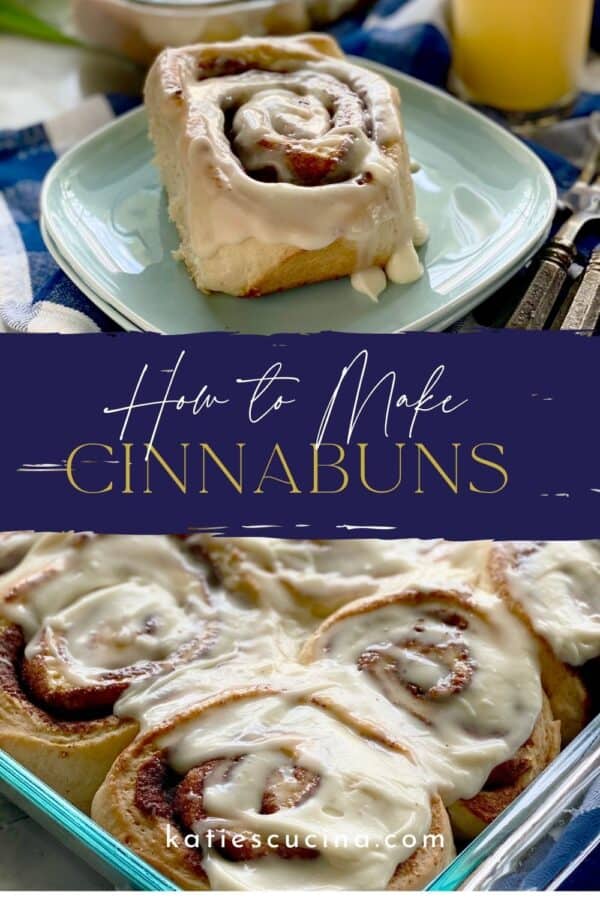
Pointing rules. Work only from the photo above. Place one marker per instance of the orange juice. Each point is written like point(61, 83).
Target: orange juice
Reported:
point(520, 55)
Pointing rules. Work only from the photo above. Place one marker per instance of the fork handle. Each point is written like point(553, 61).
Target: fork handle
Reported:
point(543, 292)
point(584, 313)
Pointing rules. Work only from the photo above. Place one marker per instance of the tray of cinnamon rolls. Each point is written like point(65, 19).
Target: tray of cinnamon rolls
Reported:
point(259, 713)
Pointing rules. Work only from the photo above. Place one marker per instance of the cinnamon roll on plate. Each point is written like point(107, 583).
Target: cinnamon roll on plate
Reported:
point(262, 789)
point(284, 165)
point(321, 576)
point(554, 587)
point(113, 611)
point(455, 676)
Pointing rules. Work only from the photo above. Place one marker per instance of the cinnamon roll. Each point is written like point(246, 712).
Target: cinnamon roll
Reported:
point(119, 610)
point(263, 789)
point(322, 576)
point(284, 164)
point(450, 672)
point(554, 587)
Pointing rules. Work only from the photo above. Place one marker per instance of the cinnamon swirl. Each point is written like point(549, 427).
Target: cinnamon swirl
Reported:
point(263, 789)
point(554, 587)
point(452, 672)
point(117, 610)
point(284, 164)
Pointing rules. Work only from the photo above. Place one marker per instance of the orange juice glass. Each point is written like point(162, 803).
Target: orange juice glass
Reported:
point(521, 56)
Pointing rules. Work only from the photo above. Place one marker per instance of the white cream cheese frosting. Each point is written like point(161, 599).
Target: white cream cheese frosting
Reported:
point(558, 586)
point(465, 738)
point(324, 575)
point(467, 674)
point(281, 211)
point(107, 602)
point(251, 644)
point(365, 790)
point(115, 562)
point(14, 546)
point(27, 561)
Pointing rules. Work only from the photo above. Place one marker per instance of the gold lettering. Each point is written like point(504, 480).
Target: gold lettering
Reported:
point(289, 479)
point(237, 483)
point(490, 465)
point(422, 451)
point(362, 449)
point(127, 489)
point(317, 464)
point(180, 482)
point(70, 463)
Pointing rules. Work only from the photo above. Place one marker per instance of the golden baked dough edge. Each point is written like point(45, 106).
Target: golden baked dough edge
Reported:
point(72, 757)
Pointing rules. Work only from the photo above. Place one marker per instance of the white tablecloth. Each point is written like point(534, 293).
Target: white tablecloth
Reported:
point(32, 860)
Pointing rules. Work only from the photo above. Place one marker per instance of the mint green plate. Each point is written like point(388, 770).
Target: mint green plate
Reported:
point(488, 201)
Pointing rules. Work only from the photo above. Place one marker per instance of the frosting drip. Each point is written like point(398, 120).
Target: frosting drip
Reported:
point(371, 282)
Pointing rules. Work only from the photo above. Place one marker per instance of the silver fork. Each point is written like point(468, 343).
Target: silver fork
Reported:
point(583, 312)
point(583, 199)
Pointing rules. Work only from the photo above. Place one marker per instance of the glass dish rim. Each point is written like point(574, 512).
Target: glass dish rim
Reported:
point(491, 838)
point(80, 827)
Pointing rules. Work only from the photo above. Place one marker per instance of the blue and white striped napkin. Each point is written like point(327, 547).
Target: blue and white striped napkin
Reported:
point(35, 295)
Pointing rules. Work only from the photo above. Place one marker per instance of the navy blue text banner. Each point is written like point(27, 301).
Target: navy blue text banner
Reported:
point(330, 435)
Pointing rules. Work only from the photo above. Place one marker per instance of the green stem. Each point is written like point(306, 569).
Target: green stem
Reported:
point(16, 19)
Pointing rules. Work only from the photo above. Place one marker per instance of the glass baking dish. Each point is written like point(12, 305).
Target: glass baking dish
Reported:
point(506, 850)
point(77, 831)
point(501, 851)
